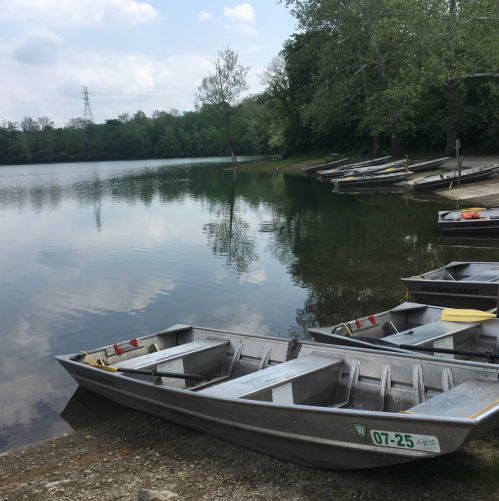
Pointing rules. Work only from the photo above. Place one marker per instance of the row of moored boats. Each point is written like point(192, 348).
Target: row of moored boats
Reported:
point(381, 172)
point(414, 382)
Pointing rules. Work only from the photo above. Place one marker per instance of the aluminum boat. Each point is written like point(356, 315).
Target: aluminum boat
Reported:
point(413, 327)
point(316, 168)
point(428, 165)
point(374, 170)
point(358, 165)
point(372, 180)
point(475, 220)
point(444, 179)
point(319, 405)
point(457, 285)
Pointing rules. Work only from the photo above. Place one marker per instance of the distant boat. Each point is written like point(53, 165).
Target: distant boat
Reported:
point(313, 170)
point(370, 170)
point(366, 163)
point(457, 285)
point(444, 179)
point(428, 165)
point(475, 220)
point(371, 180)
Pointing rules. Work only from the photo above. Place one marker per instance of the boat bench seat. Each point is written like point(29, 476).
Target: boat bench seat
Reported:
point(467, 400)
point(307, 380)
point(484, 276)
point(433, 332)
point(204, 357)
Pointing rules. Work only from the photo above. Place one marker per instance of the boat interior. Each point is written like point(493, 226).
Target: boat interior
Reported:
point(465, 272)
point(285, 371)
point(478, 214)
point(415, 325)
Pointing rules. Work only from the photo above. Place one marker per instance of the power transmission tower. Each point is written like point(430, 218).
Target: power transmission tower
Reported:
point(87, 114)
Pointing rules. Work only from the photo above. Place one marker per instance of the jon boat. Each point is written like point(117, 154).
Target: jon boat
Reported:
point(373, 170)
point(371, 180)
point(457, 285)
point(474, 220)
point(428, 165)
point(319, 405)
point(444, 179)
point(413, 327)
point(357, 165)
point(313, 170)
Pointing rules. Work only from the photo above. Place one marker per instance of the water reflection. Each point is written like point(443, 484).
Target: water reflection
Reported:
point(96, 253)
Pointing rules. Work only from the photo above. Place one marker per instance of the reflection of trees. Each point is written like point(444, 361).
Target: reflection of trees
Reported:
point(229, 235)
point(347, 251)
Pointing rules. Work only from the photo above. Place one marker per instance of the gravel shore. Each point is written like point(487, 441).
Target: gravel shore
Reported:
point(118, 451)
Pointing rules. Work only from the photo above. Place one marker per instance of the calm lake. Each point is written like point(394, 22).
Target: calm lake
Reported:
point(96, 253)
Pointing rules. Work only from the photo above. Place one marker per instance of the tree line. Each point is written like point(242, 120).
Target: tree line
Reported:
point(392, 75)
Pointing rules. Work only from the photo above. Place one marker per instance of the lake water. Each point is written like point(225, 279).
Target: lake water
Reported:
point(96, 253)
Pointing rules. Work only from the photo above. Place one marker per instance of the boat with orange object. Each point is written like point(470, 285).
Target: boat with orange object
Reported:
point(473, 220)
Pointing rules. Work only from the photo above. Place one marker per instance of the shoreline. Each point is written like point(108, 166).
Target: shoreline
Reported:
point(484, 192)
point(120, 451)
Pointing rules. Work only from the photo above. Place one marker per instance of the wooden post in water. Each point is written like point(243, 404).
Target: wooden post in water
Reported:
point(458, 158)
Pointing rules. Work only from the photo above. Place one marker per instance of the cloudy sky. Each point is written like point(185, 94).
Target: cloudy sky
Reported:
point(132, 55)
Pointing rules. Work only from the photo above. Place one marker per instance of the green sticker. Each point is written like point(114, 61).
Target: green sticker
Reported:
point(360, 429)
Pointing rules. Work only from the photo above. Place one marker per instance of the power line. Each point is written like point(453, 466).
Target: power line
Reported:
point(87, 114)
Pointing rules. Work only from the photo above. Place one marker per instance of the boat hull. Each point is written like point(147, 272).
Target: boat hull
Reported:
point(476, 295)
point(328, 441)
point(374, 180)
point(444, 182)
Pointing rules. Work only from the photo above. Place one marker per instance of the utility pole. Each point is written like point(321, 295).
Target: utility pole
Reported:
point(87, 113)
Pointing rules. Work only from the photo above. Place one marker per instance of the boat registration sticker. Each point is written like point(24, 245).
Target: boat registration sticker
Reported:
point(407, 441)
point(447, 343)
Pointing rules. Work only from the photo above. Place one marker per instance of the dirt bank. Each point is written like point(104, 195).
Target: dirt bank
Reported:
point(120, 451)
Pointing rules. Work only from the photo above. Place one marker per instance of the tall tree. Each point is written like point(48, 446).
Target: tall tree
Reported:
point(222, 91)
point(461, 38)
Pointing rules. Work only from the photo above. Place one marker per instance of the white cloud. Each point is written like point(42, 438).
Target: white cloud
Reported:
point(255, 48)
point(80, 12)
point(204, 16)
point(242, 29)
point(38, 48)
point(242, 12)
point(117, 83)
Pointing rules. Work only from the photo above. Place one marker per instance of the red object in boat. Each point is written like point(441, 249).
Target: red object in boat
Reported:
point(372, 319)
point(117, 349)
point(470, 215)
point(134, 342)
point(357, 323)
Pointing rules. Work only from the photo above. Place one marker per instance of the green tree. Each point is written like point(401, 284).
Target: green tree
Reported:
point(222, 91)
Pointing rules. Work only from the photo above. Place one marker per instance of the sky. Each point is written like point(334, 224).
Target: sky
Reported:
point(131, 55)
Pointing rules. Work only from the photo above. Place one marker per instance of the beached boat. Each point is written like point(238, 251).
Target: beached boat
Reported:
point(474, 220)
point(372, 180)
point(427, 165)
point(417, 327)
point(373, 170)
point(457, 285)
point(357, 165)
point(444, 179)
point(319, 405)
point(330, 165)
